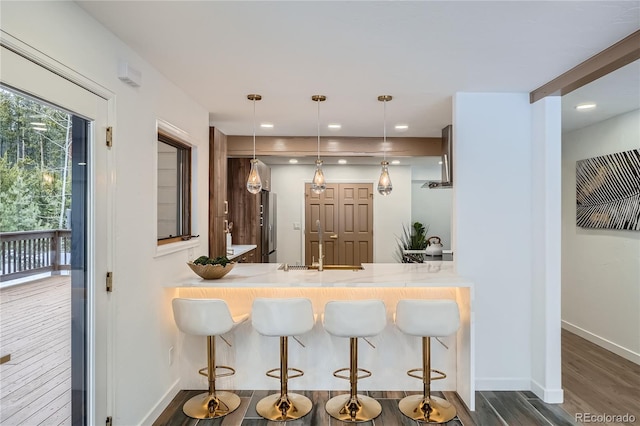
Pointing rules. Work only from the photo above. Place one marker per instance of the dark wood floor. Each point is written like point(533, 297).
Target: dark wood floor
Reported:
point(595, 381)
point(492, 409)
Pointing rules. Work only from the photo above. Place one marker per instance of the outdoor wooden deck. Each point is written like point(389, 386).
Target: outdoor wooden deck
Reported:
point(35, 328)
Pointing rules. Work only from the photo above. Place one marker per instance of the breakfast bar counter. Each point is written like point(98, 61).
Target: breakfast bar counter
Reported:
point(394, 353)
point(428, 274)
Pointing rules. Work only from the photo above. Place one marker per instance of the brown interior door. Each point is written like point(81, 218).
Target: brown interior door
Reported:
point(355, 239)
point(345, 212)
point(323, 207)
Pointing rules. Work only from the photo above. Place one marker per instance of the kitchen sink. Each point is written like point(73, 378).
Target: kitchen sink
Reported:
point(339, 267)
point(287, 267)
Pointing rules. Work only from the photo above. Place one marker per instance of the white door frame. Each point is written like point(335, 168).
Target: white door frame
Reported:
point(52, 81)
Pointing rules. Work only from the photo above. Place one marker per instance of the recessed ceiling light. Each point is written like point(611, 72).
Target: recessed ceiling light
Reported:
point(395, 162)
point(342, 161)
point(334, 126)
point(293, 161)
point(583, 107)
point(402, 126)
point(266, 125)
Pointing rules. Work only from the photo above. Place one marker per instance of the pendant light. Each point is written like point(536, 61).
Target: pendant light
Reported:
point(384, 183)
point(254, 184)
point(318, 185)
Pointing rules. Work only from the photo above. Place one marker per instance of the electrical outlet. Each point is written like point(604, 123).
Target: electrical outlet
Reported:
point(171, 356)
point(190, 253)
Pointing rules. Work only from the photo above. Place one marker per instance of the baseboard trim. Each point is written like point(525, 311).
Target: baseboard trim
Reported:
point(503, 384)
point(157, 409)
point(602, 342)
point(550, 396)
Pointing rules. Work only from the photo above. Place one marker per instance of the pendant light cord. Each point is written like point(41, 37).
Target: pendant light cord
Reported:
point(318, 101)
point(384, 131)
point(254, 128)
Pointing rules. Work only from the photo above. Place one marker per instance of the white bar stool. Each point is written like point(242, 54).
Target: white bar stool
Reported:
point(427, 318)
point(354, 319)
point(282, 318)
point(208, 317)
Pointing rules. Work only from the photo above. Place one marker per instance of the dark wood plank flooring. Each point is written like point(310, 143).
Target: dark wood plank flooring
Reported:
point(595, 381)
point(492, 409)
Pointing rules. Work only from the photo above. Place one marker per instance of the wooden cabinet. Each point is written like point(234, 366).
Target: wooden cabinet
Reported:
point(218, 204)
point(244, 207)
point(248, 257)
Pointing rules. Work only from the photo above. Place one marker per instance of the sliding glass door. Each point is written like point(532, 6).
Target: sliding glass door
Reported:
point(55, 255)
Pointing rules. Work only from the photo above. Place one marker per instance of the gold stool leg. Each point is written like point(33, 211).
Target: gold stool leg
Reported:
point(354, 407)
point(427, 408)
point(213, 403)
point(284, 406)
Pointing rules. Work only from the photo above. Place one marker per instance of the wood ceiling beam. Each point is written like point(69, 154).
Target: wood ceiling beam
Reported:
point(616, 56)
point(242, 146)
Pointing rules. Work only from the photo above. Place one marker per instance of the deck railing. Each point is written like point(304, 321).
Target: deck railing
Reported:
point(32, 252)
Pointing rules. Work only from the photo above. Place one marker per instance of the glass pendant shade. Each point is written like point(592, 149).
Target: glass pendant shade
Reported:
point(254, 184)
point(318, 185)
point(384, 183)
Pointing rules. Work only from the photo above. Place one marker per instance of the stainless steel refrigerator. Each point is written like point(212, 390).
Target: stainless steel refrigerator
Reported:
point(268, 216)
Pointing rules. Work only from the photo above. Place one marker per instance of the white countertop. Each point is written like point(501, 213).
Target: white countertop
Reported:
point(247, 275)
point(239, 250)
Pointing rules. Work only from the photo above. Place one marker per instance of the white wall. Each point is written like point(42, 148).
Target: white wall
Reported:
point(600, 267)
point(389, 212)
point(66, 33)
point(432, 207)
point(492, 192)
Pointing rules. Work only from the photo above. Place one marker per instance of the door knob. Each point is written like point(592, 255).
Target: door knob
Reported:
point(334, 236)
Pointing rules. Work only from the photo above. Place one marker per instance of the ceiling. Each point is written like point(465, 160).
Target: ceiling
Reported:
point(614, 94)
point(420, 52)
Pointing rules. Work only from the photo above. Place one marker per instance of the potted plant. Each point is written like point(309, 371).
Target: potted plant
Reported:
point(413, 237)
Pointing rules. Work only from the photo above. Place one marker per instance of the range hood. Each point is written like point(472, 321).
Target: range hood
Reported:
point(447, 161)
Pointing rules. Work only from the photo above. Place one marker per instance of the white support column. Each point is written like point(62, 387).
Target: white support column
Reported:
point(546, 155)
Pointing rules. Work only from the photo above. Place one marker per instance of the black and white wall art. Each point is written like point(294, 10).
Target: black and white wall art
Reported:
point(608, 191)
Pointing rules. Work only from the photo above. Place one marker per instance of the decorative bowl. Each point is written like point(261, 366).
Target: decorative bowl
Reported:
point(211, 272)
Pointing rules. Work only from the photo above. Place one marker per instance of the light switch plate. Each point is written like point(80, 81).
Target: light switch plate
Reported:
point(296, 226)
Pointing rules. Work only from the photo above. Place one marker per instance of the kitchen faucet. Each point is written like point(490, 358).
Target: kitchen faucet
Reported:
point(320, 255)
